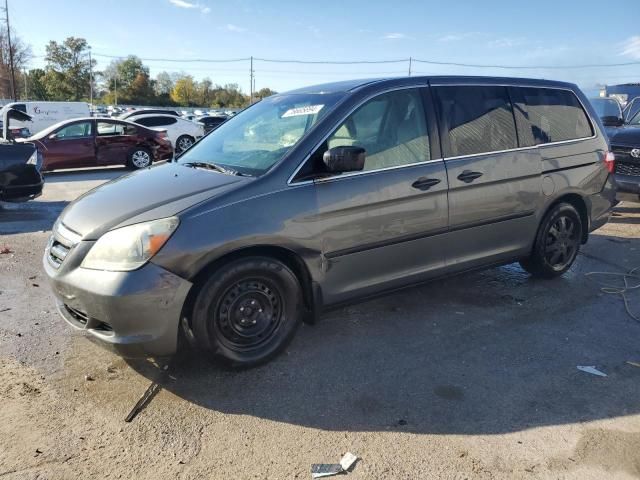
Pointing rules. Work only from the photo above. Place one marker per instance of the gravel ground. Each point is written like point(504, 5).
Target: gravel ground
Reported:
point(470, 377)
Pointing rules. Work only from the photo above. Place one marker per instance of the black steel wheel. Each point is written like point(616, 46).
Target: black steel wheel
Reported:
point(557, 243)
point(247, 311)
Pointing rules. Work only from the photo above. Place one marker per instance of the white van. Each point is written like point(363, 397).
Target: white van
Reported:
point(45, 114)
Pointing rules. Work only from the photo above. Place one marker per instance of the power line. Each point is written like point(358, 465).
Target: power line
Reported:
point(522, 67)
point(368, 62)
point(331, 62)
point(177, 60)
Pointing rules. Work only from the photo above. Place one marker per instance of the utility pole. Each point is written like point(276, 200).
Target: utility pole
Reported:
point(90, 78)
point(251, 80)
point(26, 89)
point(13, 75)
point(410, 59)
point(116, 89)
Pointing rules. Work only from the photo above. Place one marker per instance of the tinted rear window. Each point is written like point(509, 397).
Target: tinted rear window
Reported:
point(478, 119)
point(547, 115)
point(155, 121)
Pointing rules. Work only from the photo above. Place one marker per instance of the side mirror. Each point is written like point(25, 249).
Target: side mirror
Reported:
point(612, 121)
point(53, 136)
point(344, 159)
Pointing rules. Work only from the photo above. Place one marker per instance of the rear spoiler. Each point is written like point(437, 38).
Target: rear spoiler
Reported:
point(12, 114)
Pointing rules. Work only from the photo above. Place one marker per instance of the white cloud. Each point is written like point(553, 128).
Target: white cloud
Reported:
point(631, 47)
point(185, 4)
point(456, 37)
point(506, 42)
point(394, 36)
point(234, 28)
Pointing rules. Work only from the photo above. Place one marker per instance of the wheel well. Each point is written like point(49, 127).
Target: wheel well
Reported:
point(286, 256)
point(579, 204)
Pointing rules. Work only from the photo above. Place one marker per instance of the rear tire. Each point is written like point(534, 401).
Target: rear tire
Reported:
point(184, 142)
point(140, 157)
point(247, 312)
point(557, 243)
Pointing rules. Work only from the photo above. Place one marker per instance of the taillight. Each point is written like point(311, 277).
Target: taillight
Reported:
point(610, 161)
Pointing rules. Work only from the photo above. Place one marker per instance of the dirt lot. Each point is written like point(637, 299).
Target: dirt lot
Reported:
point(470, 377)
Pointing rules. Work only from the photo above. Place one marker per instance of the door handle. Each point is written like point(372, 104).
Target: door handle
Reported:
point(424, 183)
point(468, 176)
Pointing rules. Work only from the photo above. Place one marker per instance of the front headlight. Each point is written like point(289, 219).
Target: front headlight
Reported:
point(128, 248)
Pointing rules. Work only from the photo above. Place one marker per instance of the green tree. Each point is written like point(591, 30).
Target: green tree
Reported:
point(205, 92)
point(68, 69)
point(35, 85)
point(264, 93)
point(129, 78)
point(185, 91)
point(163, 84)
point(228, 96)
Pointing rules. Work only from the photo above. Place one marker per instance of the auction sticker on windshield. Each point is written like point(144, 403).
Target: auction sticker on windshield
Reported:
point(308, 110)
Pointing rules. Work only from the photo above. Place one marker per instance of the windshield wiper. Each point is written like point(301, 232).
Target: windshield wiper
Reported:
point(211, 166)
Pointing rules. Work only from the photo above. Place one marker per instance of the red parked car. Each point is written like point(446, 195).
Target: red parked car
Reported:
point(95, 142)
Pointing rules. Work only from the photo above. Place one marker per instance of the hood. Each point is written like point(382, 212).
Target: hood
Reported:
point(157, 192)
point(628, 135)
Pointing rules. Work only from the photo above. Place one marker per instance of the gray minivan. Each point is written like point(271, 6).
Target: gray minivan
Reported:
point(329, 194)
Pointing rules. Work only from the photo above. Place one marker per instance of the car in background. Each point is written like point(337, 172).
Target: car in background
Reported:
point(20, 178)
point(211, 122)
point(631, 109)
point(609, 110)
point(182, 133)
point(147, 111)
point(625, 144)
point(96, 142)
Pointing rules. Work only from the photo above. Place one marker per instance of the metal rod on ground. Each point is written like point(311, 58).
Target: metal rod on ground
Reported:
point(146, 397)
point(13, 75)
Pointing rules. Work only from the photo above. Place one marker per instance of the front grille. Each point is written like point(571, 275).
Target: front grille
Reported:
point(624, 168)
point(77, 315)
point(57, 252)
point(60, 244)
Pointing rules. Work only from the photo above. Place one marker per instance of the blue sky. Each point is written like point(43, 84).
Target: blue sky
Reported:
point(542, 32)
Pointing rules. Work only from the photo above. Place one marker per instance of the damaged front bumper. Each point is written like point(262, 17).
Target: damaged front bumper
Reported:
point(135, 313)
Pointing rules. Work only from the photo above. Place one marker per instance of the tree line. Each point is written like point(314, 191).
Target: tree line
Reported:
point(70, 74)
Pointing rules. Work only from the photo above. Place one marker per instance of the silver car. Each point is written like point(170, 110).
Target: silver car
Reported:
point(326, 195)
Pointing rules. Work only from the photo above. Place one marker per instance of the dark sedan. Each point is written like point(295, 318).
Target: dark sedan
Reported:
point(20, 179)
point(95, 142)
point(211, 122)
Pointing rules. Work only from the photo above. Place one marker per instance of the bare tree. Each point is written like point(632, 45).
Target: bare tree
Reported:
point(21, 57)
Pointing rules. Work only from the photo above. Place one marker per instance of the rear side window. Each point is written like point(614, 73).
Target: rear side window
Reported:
point(477, 119)
point(547, 115)
point(156, 121)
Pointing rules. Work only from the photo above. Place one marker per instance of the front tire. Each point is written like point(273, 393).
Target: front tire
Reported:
point(247, 312)
point(184, 142)
point(557, 243)
point(140, 157)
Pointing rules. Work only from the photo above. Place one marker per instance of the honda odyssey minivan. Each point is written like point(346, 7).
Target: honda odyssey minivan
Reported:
point(326, 195)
